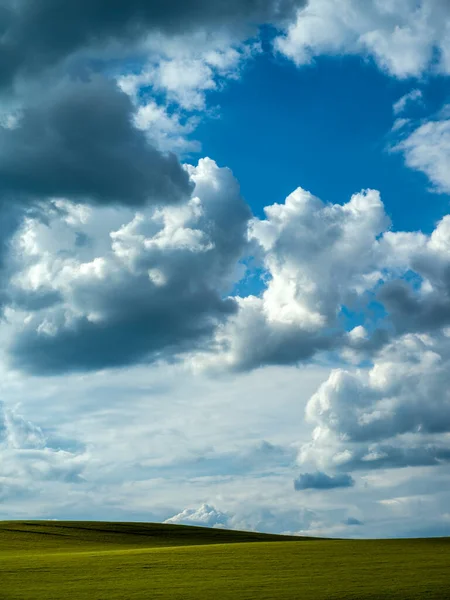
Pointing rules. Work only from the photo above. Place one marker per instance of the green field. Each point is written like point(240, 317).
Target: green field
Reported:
point(55, 560)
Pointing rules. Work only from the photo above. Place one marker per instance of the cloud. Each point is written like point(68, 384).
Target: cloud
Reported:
point(352, 521)
point(322, 481)
point(204, 516)
point(317, 257)
point(39, 35)
point(427, 149)
point(78, 141)
point(16, 432)
point(170, 414)
point(142, 286)
point(294, 521)
point(169, 132)
point(423, 302)
point(91, 287)
point(186, 70)
point(27, 457)
point(260, 519)
point(262, 458)
point(404, 37)
point(409, 98)
point(194, 442)
point(393, 415)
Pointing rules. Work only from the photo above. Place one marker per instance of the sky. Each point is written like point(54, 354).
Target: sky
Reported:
point(225, 264)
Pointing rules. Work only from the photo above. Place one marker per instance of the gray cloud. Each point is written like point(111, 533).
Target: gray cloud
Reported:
point(152, 287)
point(352, 521)
point(421, 302)
point(409, 311)
point(389, 456)
point(40, 34)
point(322, 481)
point(78, 141)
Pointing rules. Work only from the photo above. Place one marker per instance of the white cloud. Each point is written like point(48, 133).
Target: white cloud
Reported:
point(167, 131)
point(185, 70)
point(396, 414)
point(204, 516)
point(409, 98)
point(399, 124)
point(318, 257)
point(402, 36)
point(427, 149)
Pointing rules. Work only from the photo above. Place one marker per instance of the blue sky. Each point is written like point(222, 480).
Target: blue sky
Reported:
point(225, 285)
point(324, 127)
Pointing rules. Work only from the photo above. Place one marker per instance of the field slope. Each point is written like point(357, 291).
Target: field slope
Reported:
point(55, 560)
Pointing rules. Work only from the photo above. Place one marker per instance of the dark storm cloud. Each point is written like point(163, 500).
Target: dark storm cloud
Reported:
point(41, 33)
point(78, 141)
point(322, 481)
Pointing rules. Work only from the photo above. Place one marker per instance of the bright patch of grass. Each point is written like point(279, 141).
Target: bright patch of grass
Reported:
point(109, 561)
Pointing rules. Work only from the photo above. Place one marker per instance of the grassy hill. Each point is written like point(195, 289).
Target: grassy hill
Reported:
point(55, 560)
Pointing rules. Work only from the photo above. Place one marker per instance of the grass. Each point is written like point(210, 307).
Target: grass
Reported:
point(126, 561)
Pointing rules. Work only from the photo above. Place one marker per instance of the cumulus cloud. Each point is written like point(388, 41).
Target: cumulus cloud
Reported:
point(186, 70)
point(422, 303)
point(322, 481)
point(396, 414)
point(102, 287)
point(39, 35)
point(91, 287)
point(317, 257)
point(204, 516)
point(169, 132)
point(78, 141)
point(404, 37)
